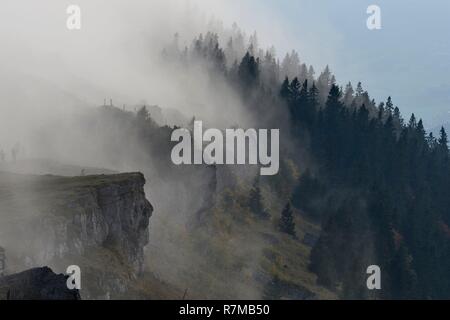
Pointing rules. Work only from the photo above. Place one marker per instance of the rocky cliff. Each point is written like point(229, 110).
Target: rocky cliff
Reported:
point(36, 284)
point(99, 223)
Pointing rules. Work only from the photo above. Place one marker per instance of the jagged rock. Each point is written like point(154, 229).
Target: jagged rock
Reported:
point(36, 284)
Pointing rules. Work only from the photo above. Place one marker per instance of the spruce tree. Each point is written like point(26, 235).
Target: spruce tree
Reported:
point(348, 95)
point(285, 91)
point(255, 201)
point(443, 140)
point(313, 96)
point(431, 140)
point(249, 71)
point(295, 88)
point(359, 90)
point(287, 224)
point(304, 93)
point(420, 130)
point(412, 122)
point(389, 106)
point(398, 117)
point(381, 111)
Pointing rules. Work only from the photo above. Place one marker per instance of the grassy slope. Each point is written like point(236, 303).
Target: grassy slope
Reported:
point(282, 257)
point(234, 255)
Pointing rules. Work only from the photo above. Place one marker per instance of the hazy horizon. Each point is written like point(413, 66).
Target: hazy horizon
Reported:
point(407, 59)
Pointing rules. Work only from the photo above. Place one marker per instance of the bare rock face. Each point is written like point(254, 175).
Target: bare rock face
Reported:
point(113, 215)
point(99, 223)
point(36, 284)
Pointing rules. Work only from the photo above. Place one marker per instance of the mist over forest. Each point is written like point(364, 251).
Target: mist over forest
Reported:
point(360, 183)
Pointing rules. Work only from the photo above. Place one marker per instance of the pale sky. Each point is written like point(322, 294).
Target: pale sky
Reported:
point(409, 58)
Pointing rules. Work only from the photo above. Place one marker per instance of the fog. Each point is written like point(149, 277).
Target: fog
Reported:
point(47, 68)
point(52, 78)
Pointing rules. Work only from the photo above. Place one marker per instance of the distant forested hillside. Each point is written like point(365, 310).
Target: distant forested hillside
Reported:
point(377, 184)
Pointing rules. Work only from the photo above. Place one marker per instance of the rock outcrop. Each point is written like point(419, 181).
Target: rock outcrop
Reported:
point(99, 223)
point(36, 284)
point(113, 215)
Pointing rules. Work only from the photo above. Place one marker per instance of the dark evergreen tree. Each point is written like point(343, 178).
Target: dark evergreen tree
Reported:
point(398, 118)
point(287, 224)
point(389, 106)
point(313, 97)
point(443, 140)
point(412, 122)
point(255, 201)
point(381, 111)
point(420, 130)
point(249, 71)
point(431, 140)
point(285, 91)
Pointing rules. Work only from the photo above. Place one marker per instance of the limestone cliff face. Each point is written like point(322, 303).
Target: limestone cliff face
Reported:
point(113, 215)
point(99, 223)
